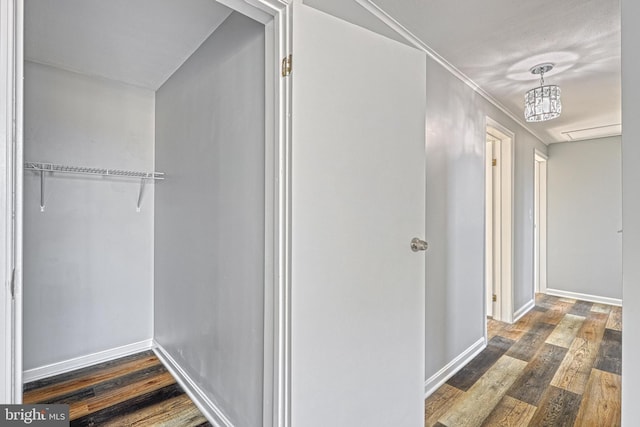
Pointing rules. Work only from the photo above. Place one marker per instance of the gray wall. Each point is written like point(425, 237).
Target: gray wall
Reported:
point(630, 211)
point(88, 258)
point(584, 215)
point(455, 215)
point(209, 234)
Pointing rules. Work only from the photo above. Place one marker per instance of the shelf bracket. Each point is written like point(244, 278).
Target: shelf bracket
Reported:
point(143, 181)
point(41, 191)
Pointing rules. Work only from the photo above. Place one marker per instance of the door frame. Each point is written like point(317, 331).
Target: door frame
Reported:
point(10, 199)
point(540, 222)
point(503, 308)
point(276, 16)
point(492, 216)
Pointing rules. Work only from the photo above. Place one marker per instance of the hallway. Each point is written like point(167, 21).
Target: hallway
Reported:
point(560, 365)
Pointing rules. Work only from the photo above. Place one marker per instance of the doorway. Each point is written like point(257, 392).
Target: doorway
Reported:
point(275, 125)
point(498, 221)
point(540, 223)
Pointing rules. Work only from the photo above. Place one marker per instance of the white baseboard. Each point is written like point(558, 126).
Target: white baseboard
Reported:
point(523, 310)
point(213, 414)
point(440, 377)
point(585, 297)
point(84, 361)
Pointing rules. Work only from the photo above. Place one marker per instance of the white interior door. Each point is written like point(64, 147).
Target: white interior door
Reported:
point(358, 194)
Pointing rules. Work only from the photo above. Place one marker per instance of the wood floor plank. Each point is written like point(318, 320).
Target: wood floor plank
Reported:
point(77, 381)
point(468, 375)
point(510, 412)
point(76, 396)
point(593, 327)
point(494, 328)
point(601, 403)
point(120, 382)
point(615, 319)
point(177, 412)
point(77, 374)
point(581, 308)
point(109, 384)
point(477, 403)
point(119, 395)
point(566, 330)
point(556, 312)
point(574, 372)
point(527, 346)
point(102, 416)
point(610, 354)
point(439, 402)
point(601, 308)
point(536, 377)
point(557, 408)
point(522, 326)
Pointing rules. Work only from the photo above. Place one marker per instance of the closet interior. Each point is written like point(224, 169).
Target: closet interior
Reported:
point(144, 191)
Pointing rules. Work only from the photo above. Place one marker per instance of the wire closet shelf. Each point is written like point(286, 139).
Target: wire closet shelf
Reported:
point(44, 168)
point(51, 167)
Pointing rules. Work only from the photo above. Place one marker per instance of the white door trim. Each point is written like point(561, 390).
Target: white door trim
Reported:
point(540, 238)
point(493, 242)
point(11, 199)
point(504, 308)
point(488, 223)
point(277, 299)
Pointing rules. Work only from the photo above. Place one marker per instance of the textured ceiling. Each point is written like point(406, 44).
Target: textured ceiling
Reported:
point(495, 43)
point(139, 42)
point(492, 42)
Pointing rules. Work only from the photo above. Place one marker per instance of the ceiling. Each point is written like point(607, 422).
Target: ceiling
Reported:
point(140, 42)
point(494, 43)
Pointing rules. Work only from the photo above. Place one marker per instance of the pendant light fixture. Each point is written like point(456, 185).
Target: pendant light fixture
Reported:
point(543, 102)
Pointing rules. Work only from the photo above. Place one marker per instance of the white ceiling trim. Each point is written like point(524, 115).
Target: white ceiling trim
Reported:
point(392, 23)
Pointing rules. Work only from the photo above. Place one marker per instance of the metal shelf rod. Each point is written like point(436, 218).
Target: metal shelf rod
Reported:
point(50, 167)
point(118, 173)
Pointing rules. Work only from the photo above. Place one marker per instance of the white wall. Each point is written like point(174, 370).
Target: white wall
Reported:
point(88, 257)
point(630, 211)
point(455, 215)
point(209, 235)
point(584, 215)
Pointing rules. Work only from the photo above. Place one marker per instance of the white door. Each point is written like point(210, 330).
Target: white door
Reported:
point(358, 198)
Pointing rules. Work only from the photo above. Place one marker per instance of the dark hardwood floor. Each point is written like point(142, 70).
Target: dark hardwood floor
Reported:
point(558, 366)
point(135, 390)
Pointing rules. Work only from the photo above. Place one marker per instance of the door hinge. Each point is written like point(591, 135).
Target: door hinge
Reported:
point(286, 66)
point(494, 162)
point(12, 286)
point(494, 298)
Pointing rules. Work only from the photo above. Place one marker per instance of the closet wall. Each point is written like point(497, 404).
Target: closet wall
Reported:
point(209, 224)
point(88, 270)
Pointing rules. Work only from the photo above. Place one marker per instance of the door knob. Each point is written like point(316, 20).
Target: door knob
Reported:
point(418, 245)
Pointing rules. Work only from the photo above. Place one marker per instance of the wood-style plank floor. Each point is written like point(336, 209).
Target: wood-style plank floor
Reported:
point(558, 366)
point(136, 390)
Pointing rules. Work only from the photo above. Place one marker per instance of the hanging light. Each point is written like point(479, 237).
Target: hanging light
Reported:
point(543, 102)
